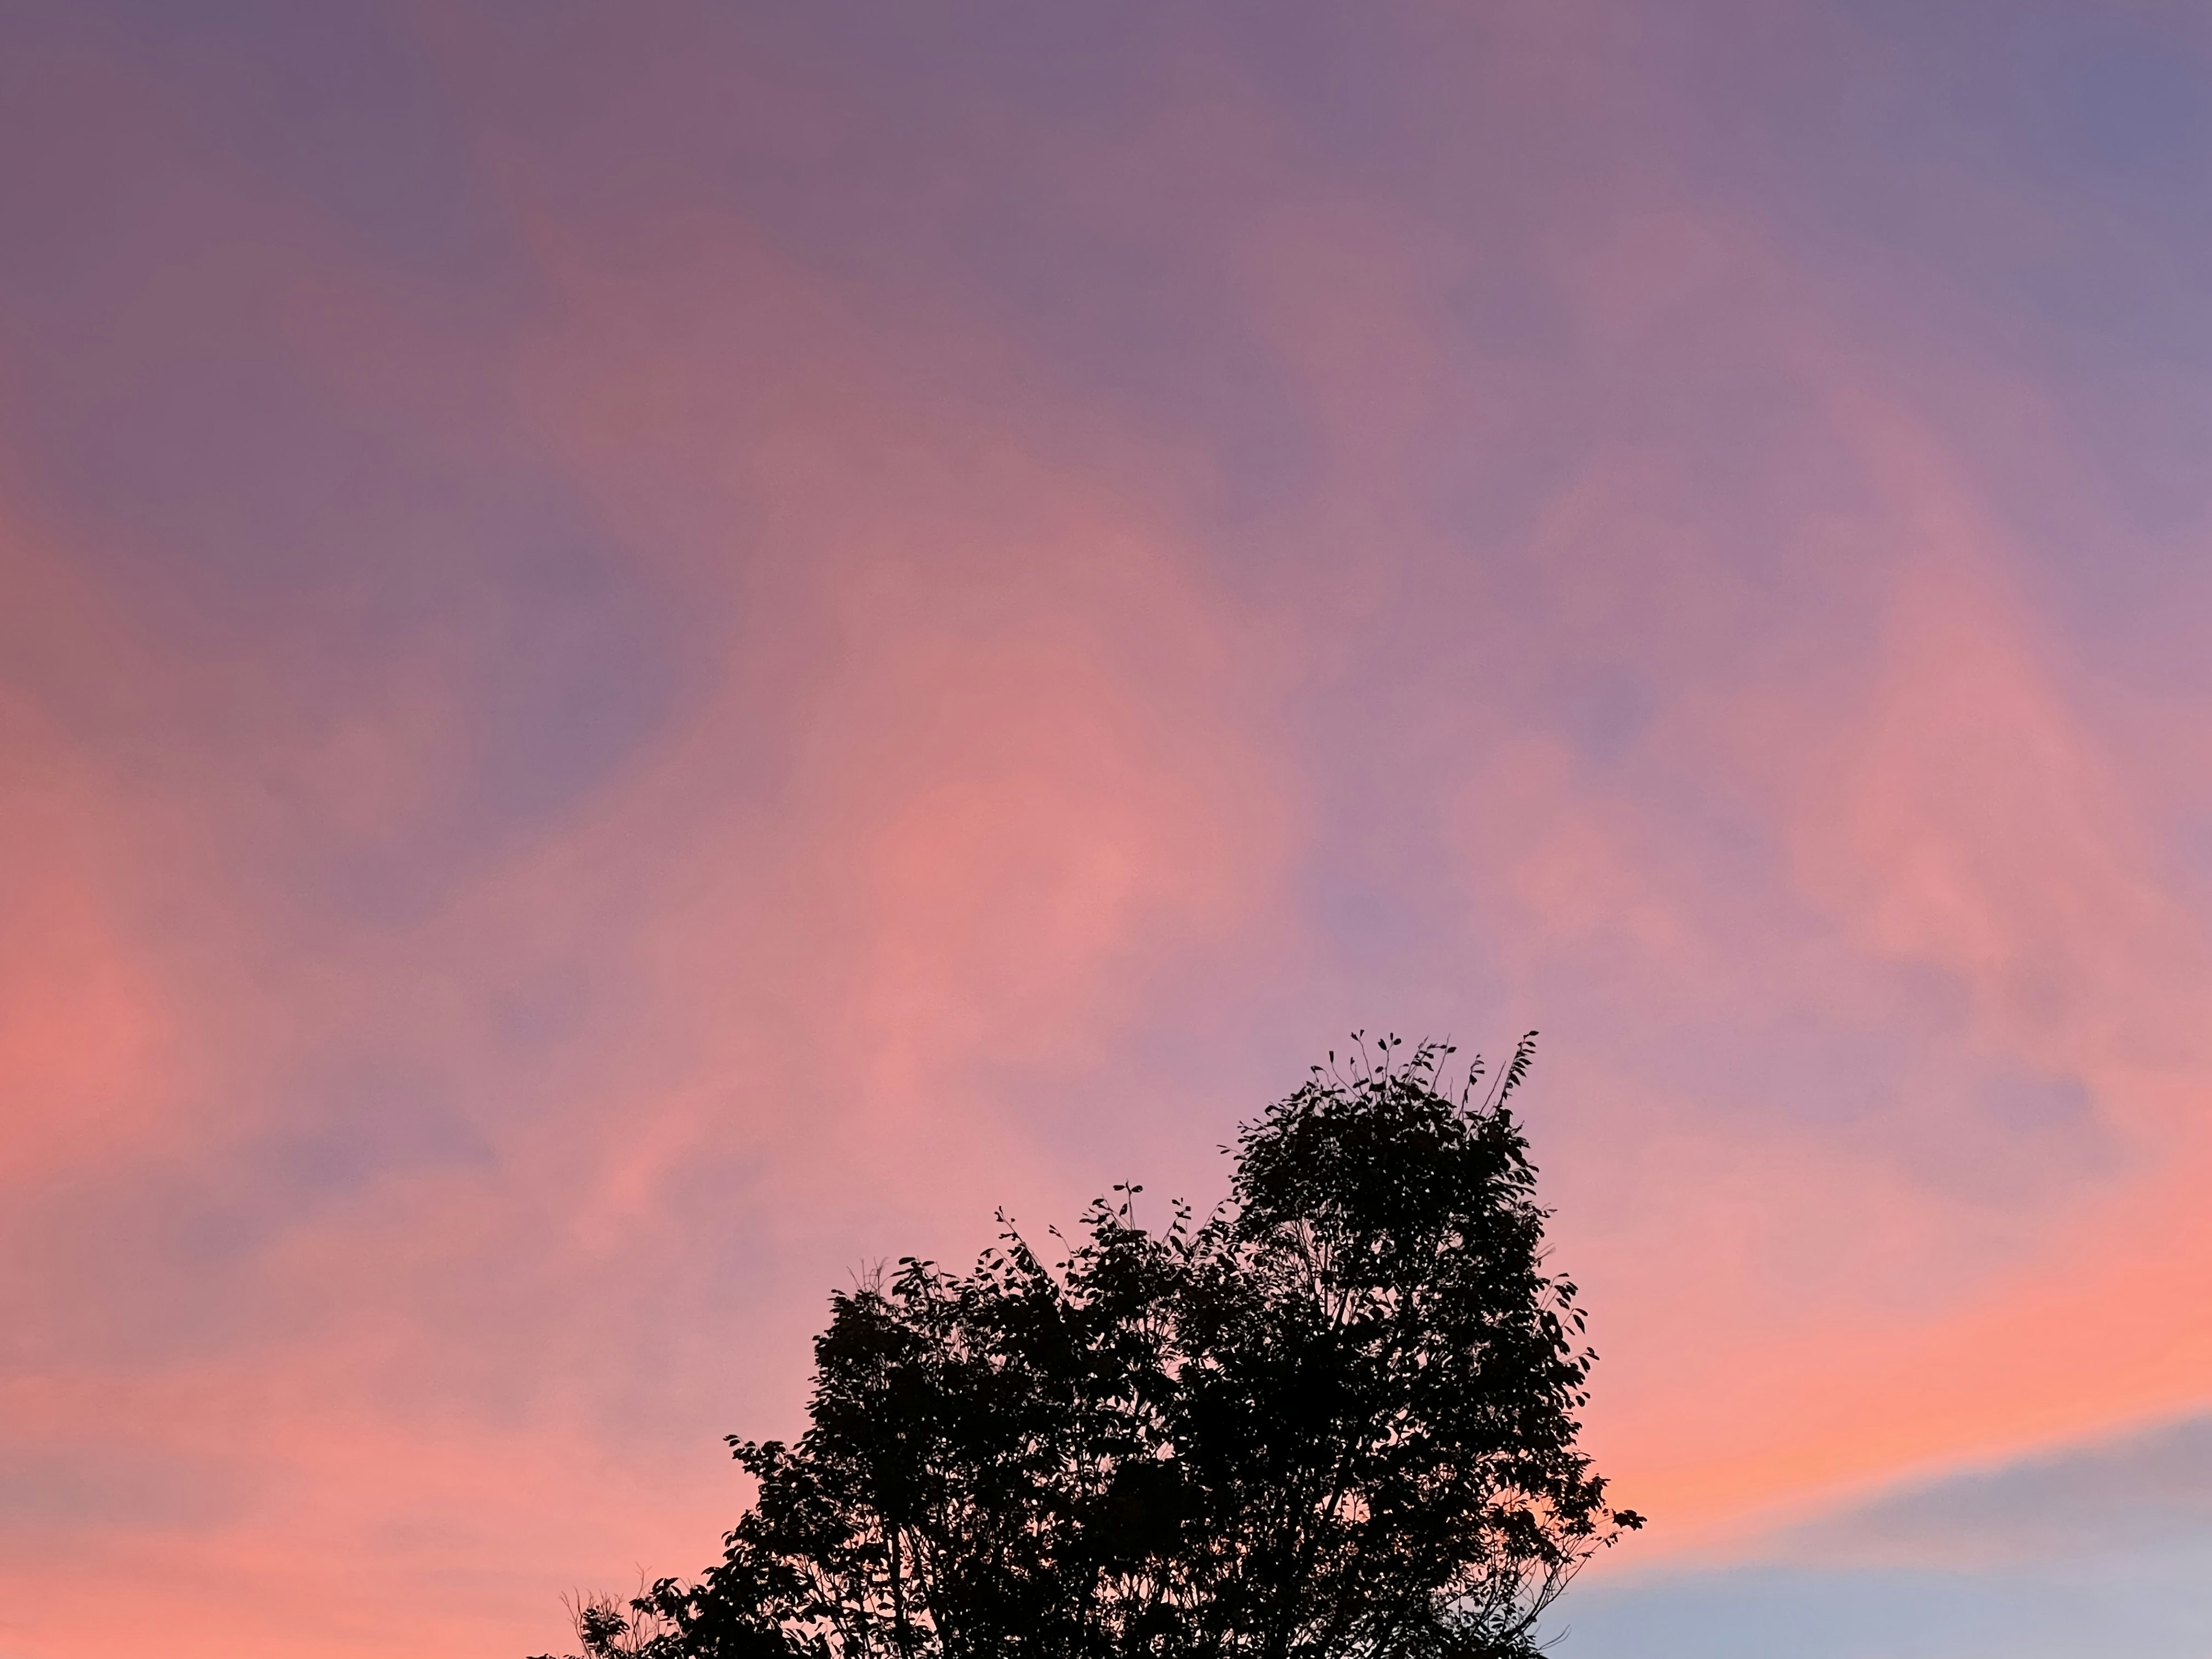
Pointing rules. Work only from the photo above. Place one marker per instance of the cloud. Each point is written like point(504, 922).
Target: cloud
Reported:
point(773, 633)
point(2070, 1551)
point(2147, 1491)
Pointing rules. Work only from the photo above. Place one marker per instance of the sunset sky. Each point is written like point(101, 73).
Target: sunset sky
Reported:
point(649, 652)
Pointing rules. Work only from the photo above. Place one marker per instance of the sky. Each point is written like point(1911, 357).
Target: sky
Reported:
point(650, 652)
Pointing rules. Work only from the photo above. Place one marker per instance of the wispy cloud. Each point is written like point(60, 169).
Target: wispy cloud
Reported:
point(642, 662)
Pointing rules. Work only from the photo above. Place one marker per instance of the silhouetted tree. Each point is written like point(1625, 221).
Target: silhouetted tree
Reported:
point(1334, 1420)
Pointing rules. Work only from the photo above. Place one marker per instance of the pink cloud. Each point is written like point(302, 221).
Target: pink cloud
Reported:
point(420, 1250)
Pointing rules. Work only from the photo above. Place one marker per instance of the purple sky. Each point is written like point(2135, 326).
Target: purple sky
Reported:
point(647, 652)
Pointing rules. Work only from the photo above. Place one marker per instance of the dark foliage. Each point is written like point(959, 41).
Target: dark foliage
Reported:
point(1334, 1420)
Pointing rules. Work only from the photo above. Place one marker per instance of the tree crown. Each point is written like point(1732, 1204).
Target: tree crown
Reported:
point(1335, 1419)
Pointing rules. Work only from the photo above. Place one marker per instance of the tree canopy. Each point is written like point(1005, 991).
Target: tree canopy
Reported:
point(1336, 1418)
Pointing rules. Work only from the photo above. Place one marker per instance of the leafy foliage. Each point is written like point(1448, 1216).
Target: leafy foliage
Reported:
point(1333, 1420)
